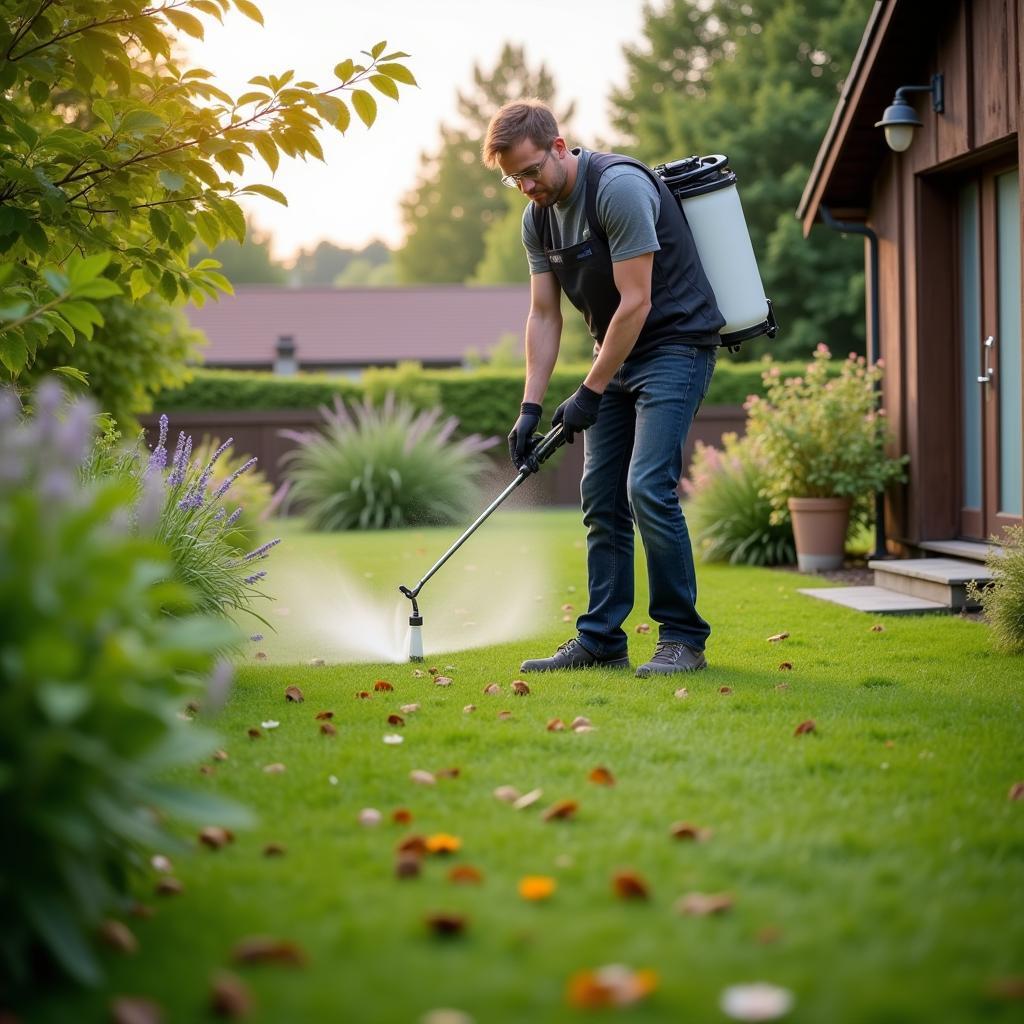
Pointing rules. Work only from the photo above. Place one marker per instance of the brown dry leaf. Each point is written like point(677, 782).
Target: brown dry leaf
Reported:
point(889, 744)
point(560, 810)
point(601, 776)
point(628, 885)
point(520, 688)
point(382, 686)
point(725, 690)
point(782, 686)
point(446, 924)
point(293, 695)
point(422, 778)
point(556, 725)
point(215, 838)
point(568, 607)
point(260, 655)
point(504, 716)
point(442, 680)
point(527, 799)
point(169, 886)
point(448, 773)
point(396, 720)
point(324, 716)
point(433, 670)
point(687, 830)
point(492, 689)
point(785, 666)
point(613, 985)
point(274, 769)
point(141, 911)
point(703, 904)
point(326, 729)
point(274, 850)
point(1010, 988)
point(465, 874)
point(643, 627)
point(805, 727)
point(408, 865)
point(118, 936)
point(362, 695)
point(507, 794)
point(254, 734)
point(469, 709)
point(229, 996)
point(778, 637)
point(414, 844)
point(135, 1010)
point(409, 709)
point(207, 769)
point(220, 755)
point(1016, 791)
point(878, 628)
point(264, 949)
point(401, 816)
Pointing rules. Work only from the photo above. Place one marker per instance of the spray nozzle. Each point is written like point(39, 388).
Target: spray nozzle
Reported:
point(415, 608)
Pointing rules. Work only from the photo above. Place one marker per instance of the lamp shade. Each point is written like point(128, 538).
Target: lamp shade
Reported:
point(899, 121)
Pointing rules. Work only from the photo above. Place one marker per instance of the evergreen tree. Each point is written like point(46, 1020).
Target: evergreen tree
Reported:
point(757, 80)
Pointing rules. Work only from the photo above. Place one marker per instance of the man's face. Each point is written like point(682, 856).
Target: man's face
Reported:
point(544, 171)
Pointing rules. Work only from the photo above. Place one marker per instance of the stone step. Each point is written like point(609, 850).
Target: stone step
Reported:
point(877, 600)
point(969, 550)
point(943, 580)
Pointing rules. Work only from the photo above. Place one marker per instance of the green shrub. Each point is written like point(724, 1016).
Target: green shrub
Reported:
point(1003, 601)
point(381, 467)
point(406, 381)
point(234, 389)
point(93, 676)
point(729, 519)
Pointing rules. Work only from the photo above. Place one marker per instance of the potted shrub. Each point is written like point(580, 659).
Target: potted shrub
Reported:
point(822, 440)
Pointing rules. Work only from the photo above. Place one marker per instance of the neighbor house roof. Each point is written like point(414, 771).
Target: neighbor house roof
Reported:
point(436, 324)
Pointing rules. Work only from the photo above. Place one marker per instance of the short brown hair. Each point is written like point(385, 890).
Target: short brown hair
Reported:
point(523, 119)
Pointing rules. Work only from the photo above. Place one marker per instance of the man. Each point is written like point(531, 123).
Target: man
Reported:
point(605, 230)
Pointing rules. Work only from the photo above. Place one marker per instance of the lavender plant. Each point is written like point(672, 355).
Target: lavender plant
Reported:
point(93, 674)
point(381, 467)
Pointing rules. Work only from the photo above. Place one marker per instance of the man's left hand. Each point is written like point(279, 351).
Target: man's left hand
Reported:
point(577, 412)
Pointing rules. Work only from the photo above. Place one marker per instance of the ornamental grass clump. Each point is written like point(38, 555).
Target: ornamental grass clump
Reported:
point(381, 467)
point(821, 435)
point(729, 517)
point(1003, 600)
point(94, 676)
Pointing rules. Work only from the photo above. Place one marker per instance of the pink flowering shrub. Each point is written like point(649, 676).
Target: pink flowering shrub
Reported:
point(820, 435)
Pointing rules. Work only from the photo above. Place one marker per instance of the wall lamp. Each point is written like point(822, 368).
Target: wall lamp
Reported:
point(900, 119)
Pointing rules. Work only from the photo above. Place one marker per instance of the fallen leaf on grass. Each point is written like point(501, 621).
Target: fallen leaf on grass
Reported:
point(1016, 791)
point(169, 886)
point(805, 727)
point(443, 843)
point(568, 608)
point(161, 863)
point(274, 769)
point(263, 949)
point(601, 776)
point(767, 935)
point(254, 734)
point(407, 865)
point(215, 838)
point(613, 985)
point(418, 673)
point(778, 637)
point(370, 817)
point(293, 695)
point(396, 720)
point(401, 816)
point(492, 689)
point(465, 874)
point(643, 627)
point(567, 618)
point(556, 725)
point(220, 755)
point(229, 996)
point(527, 799)
point(445, 924)
point(758, 1001)
point(133, 1010)
point(442, 680)
point(269, 724)
point(628, 885)
point(782, 686)
point(682, 693)
point(520, 688)
point(274, 850)
point(448, 773)
point(392, 739)
point(409, 709)
point(141, 911)
point(535, 888)
point(704, 904)
point(560, 811)
point(785, 666)
point(207, 769)
point(326, 729)
point(469, 709)
point(507, 794)
point(878, 628)
point(1010, 988)
point(422, 778)
point(580, 724)
point(414, 845)
point(504, 716)
point(433, 670)
point(317, 662)
point(362, 695)
point(688, 831)
point(118, 936)
point(382, 686)
point(260, 655)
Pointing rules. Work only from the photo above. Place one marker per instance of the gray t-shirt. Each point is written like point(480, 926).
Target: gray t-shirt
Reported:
point(628, 206)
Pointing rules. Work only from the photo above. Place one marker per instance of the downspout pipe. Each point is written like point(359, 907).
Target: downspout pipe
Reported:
point(874, 343)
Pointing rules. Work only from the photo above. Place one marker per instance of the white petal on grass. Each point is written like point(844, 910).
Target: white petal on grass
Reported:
point(269, 724)
point(756, 1001)
point(392, 739)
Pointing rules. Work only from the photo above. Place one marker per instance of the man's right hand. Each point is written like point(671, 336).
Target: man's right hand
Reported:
point(520, 440)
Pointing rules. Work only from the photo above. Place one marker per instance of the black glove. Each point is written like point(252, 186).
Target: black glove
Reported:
point(577, 412)
point(521, 441)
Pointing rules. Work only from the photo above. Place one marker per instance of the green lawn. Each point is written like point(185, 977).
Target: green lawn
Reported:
point(879, 854)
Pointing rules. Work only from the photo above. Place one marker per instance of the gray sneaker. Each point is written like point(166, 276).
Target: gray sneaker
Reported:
point(671, 657)
point(572, 654)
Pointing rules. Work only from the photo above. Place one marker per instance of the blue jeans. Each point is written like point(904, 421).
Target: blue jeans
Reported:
point(633, 459)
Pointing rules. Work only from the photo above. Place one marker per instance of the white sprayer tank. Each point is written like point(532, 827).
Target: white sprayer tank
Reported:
point(706, 190)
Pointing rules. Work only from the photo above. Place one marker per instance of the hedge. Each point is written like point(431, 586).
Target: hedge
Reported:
point(485, 400)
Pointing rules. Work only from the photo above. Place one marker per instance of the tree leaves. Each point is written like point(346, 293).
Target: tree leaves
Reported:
point(266, 190)
point(250, 10)
point(366, 106)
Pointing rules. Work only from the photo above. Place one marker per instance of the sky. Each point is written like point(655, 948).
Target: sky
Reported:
point(354, 197)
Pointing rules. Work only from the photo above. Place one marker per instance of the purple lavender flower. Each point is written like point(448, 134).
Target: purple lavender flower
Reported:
point(234, 517)
point(157, 461)
point(261, 551)
point(250, 580)
point(194, 499)
point(162, 439)
point(223, 489)
point(204, 480)
point(181, 460)
point(175, 462)
point(218, 515)
point(256, 637)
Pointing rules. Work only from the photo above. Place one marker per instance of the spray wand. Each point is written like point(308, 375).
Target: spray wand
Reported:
point(544, 448)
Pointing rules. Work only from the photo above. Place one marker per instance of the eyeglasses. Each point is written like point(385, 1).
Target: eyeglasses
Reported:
point(533, 173)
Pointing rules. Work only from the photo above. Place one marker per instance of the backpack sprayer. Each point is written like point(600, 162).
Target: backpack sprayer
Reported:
point(705, 188)
point(543, 448)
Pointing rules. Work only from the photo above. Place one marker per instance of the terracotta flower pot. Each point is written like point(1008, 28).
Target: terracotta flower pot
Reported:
point(819, 529)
